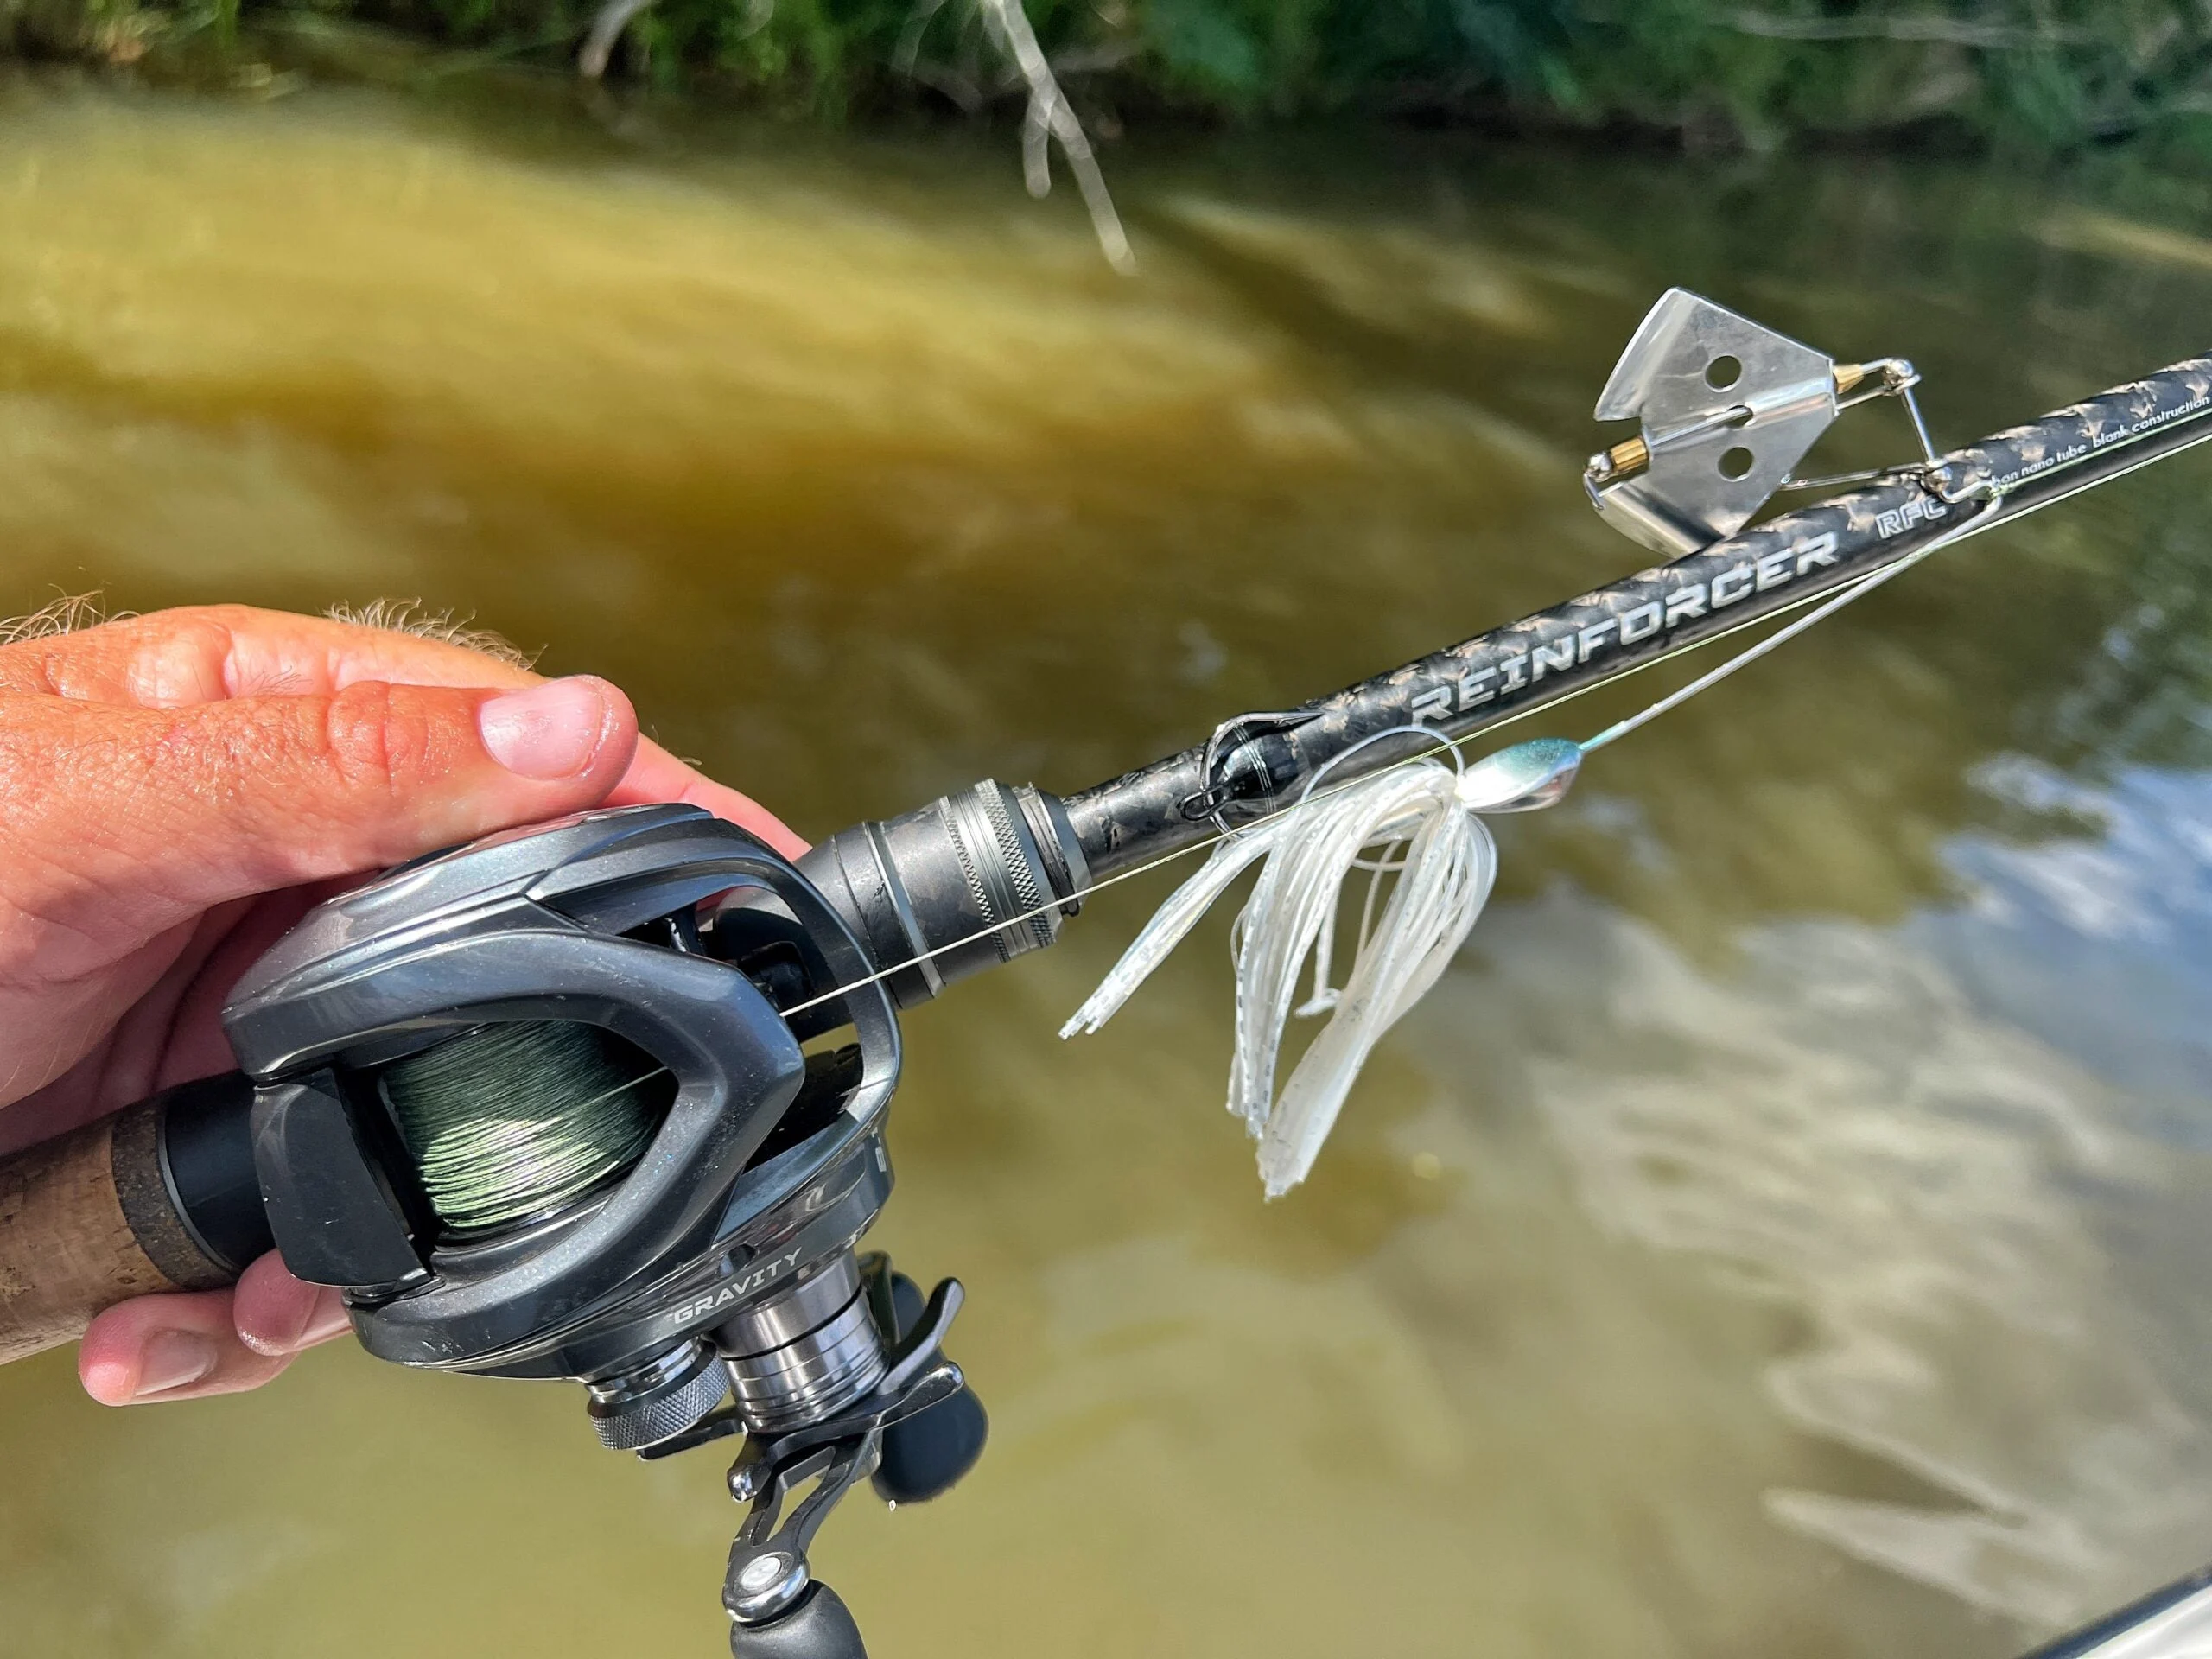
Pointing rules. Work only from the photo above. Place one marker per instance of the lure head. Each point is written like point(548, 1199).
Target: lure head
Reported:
point(1525, 777)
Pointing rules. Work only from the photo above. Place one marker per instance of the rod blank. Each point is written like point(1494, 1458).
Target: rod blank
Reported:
point(1556, 653)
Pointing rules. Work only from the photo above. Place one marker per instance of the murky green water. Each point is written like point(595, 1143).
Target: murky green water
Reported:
point(1781, 1236)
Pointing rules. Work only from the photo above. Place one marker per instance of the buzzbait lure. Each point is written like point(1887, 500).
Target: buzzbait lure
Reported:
point(1423, 822)
point(1425, 817)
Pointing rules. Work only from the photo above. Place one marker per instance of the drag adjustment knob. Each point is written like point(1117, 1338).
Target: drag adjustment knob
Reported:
point(923, 1455)
point(659, 1400)
point(819, 1626)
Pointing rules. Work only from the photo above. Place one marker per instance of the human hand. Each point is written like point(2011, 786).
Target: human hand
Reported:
point(175, 790)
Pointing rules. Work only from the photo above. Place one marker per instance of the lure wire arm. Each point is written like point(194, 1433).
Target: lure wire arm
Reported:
point(1993, 505)
point(1892, 377)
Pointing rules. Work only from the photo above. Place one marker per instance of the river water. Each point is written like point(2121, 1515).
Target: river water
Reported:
point(1779, 1234)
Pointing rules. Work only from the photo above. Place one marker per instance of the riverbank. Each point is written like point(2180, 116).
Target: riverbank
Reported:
point(2039, 78)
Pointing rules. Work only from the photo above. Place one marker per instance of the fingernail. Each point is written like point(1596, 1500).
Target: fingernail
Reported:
point(173, 1360)
point(549, 732)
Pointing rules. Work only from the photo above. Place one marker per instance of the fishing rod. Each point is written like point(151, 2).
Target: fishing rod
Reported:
point(604, 1100)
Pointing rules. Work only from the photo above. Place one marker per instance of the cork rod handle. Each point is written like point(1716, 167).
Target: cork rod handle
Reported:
point(92, 1218)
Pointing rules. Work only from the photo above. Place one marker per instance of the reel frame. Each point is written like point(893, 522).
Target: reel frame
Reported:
point(686, 938)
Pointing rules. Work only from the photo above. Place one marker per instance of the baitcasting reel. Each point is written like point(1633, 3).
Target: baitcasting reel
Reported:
point(601, 1100)
point(604, 1100)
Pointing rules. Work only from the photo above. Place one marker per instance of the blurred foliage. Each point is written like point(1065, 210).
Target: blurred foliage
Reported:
point(2041, 76)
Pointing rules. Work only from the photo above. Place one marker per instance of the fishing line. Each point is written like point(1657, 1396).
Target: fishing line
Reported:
point(1448, 745)
point(510, 1123)
point(1866, 585)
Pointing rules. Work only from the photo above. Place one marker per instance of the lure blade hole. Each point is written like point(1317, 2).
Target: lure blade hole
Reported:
point(1723, 371)
point(1737, 463)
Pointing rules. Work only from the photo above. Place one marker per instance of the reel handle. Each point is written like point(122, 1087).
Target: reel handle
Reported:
point(158, 1197)
point(819, 1626)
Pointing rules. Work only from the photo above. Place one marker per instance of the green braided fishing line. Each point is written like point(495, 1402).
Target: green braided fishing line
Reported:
point(509, 1122)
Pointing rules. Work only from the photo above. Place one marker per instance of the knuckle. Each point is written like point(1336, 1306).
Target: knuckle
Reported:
point(184, 658)
point(378, 740)
point(357, 738)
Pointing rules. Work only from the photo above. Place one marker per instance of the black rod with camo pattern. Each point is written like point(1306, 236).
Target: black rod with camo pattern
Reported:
point(1260, 763)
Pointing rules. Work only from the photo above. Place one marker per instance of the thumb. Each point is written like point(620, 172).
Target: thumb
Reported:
point(126, 820)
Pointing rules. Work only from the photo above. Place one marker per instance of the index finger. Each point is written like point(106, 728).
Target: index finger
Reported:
point(205, 653)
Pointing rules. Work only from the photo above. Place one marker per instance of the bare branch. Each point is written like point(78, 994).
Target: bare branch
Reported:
point(606, 29)
point(1050, 117)
point(1095, 60)
point(909, 38)
point(757, 13)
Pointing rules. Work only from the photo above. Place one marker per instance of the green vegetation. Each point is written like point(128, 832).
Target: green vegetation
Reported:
point(2041, 76)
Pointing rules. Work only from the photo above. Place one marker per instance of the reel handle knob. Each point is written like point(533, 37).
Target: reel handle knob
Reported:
point(818, 1625)
point(925, 1454)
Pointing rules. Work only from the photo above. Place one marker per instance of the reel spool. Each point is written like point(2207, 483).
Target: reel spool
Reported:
point(535, 1108)
point(509, 1122)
